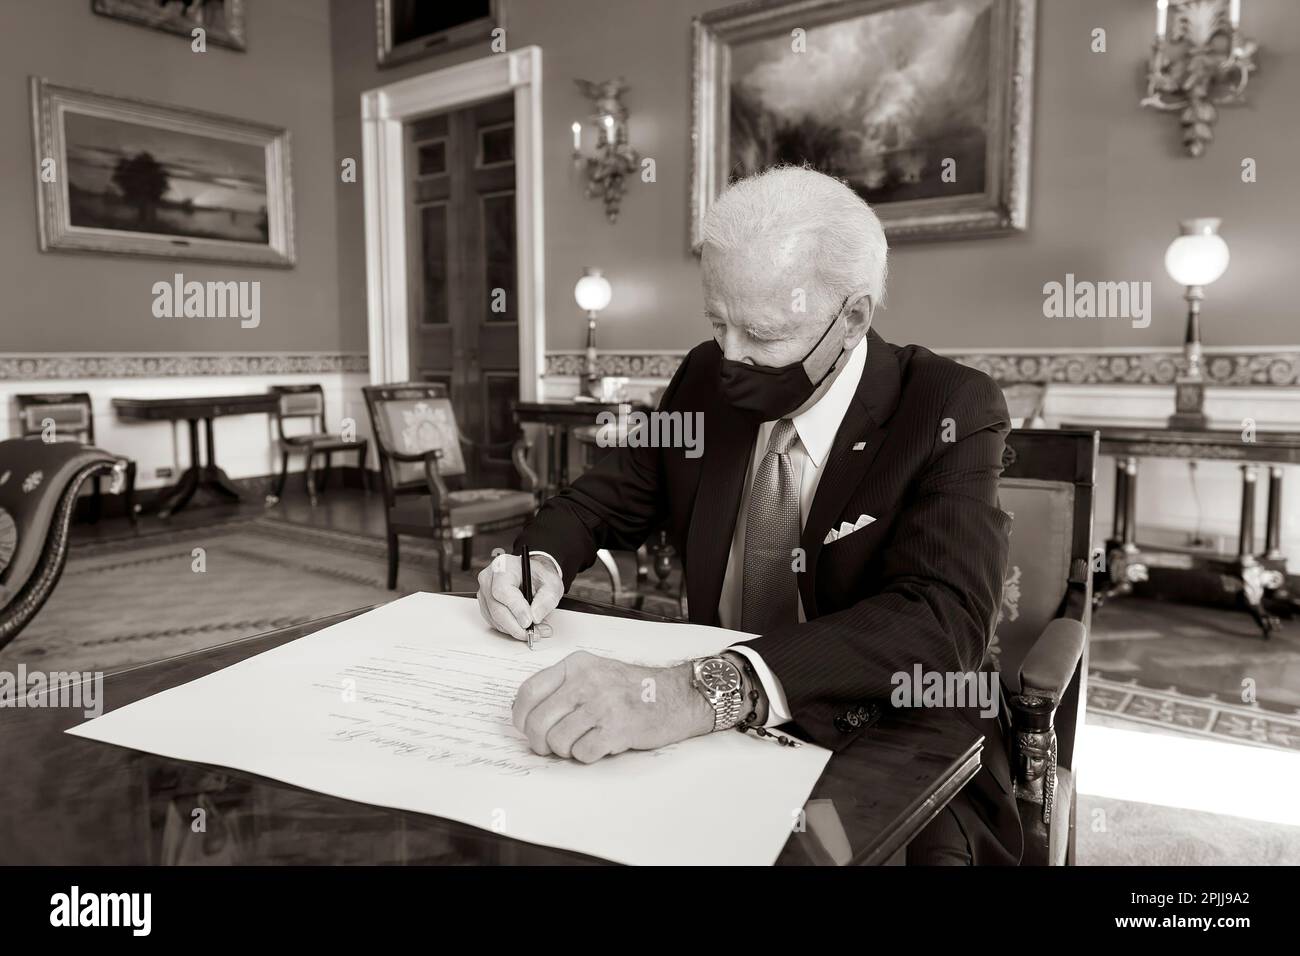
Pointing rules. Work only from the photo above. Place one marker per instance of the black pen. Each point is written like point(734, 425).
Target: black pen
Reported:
point(528, 590)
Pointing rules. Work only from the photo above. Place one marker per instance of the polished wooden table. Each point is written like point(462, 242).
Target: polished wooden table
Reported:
point(194, 410)
point(69, 801)
point(1259, 576)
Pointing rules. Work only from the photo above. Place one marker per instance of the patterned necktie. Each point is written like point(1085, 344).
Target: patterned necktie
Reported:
point(770, 592)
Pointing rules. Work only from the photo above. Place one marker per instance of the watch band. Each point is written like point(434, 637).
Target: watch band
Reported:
point(726, 710)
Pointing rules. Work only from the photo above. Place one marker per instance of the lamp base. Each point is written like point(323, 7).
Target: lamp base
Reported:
point(1189, 404)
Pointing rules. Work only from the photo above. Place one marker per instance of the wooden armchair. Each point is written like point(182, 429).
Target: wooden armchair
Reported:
point(39, 483)
point(69, 416)
point(1041, 636)
point(308, 401)
point(422, 460)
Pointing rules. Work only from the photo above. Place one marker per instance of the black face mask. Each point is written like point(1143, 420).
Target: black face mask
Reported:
point(772, 393)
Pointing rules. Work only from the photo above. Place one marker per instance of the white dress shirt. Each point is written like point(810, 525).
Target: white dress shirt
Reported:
point(816, 428)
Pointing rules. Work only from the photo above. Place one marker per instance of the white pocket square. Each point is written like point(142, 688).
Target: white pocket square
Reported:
point(846, 528)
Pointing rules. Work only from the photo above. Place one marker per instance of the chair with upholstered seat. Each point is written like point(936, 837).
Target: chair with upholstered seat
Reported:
point(69, 416)
point(308, 401)
point(39, 484)
point(422, 468)
point(1040, 644)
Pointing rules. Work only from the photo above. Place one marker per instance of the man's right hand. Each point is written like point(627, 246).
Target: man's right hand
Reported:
point(501, 599)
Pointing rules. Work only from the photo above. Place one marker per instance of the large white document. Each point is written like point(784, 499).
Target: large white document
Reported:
point(408, 706)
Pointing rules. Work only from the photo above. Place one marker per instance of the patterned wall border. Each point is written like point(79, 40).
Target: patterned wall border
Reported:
point(1271, 368)
point(1276, 368)
point(50, 366)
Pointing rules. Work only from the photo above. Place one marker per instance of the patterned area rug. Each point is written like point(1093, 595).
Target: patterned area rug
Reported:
point(1202, 717)
point(136, 600)
point(1125, 833)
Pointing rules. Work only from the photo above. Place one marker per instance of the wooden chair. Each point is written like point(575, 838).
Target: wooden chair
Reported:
point(39, 484)
point(68, 416)
point(308, 401)
point(1040, 643)
point(421, 455)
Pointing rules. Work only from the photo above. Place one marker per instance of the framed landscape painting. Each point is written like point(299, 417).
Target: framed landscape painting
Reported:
point(222, 20)
point(124, 176)
point(924, 107)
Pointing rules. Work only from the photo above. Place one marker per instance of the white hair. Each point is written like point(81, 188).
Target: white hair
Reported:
point(797, 209)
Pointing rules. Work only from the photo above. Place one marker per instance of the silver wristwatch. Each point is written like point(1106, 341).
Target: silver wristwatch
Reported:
point(719, 681)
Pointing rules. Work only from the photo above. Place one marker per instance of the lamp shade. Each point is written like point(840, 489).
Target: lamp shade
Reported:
point(592, 292)
point(1199, 255)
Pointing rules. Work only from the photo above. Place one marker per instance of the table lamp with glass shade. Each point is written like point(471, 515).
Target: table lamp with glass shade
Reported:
point(1194, 260)
point(592, 294)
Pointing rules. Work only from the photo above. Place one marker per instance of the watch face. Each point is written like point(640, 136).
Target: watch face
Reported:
point(719, 676)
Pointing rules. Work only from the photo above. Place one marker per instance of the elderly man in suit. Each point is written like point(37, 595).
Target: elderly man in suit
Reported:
point(844, 509)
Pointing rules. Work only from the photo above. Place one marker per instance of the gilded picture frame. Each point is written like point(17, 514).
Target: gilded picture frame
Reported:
point(124, 176)
point(892, 98)
point(399, 37)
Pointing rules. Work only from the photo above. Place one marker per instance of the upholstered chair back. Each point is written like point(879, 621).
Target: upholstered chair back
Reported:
point(1038, 567)
point(414, 419)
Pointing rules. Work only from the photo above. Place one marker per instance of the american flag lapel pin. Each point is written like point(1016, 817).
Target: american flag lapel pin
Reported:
point(859, 446)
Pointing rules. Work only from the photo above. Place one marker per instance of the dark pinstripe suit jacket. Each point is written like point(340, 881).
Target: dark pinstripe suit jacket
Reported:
point(921, 584)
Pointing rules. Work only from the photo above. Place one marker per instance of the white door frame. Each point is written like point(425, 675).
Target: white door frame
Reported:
point(383, 111)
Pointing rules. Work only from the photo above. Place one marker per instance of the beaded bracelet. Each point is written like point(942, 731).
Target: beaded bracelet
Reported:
point(748, 722)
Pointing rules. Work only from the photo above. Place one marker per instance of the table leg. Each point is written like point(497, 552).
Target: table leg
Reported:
point(1246, 528)
point(213, 476)
point(562, 436)
point(552, 461)
point(1124, 564)
point(1251, 572)
point(1130, 503)
point(184, 489)
point(1273, 526)
point(1121, 492)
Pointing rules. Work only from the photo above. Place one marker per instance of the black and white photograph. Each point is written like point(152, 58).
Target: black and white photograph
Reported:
point(467, 456)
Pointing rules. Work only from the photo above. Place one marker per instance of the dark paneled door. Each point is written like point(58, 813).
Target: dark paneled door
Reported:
point(461, 275)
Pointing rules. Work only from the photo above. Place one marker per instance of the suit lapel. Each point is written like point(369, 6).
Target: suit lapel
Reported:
point(727, 453)
point(864, 423)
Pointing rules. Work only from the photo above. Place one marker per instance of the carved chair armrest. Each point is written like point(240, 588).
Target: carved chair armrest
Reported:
point(519, 452)
point(1045, 674)
point(437, 485)
point(1050, 664)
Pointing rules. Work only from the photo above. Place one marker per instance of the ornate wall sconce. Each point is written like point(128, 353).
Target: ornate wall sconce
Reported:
point(1199, 61)
point(615, 159)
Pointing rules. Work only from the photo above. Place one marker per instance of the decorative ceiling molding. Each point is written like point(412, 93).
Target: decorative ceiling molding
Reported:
point(58, 366)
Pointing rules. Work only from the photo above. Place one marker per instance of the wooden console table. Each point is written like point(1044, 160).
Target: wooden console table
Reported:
point(193, 410)
point(1258, 577)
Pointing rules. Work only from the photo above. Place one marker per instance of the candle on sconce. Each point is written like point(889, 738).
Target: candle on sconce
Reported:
point(1234, 13)
point(577, 137)
point(1162, 17)
point(609, 127)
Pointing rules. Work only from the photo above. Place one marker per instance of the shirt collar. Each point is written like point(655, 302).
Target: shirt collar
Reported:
point(817, 425)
